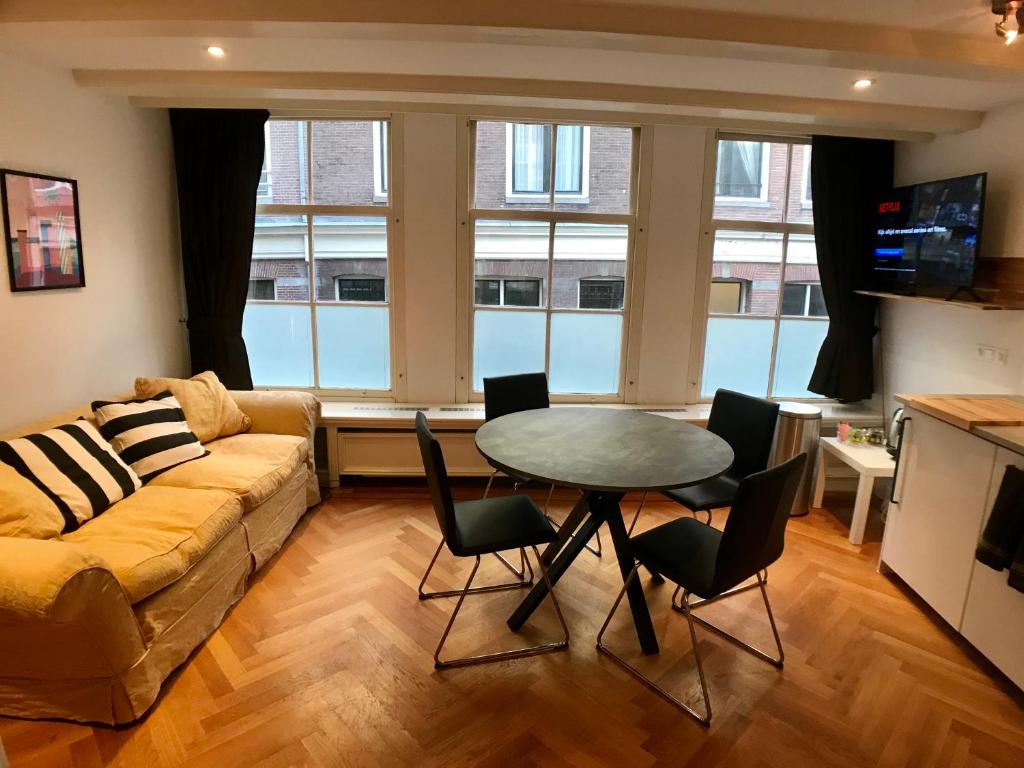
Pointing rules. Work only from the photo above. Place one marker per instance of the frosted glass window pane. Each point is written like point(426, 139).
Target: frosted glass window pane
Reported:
point(737, 355)
point(585, 353)
point(353, 347)
point(799, 343)
point(280, 345)
point(505, 343)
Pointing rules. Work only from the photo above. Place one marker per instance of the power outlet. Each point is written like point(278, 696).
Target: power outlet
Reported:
point(993, 355)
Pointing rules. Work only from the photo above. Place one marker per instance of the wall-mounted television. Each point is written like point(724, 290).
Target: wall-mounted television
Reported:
point(927, 235)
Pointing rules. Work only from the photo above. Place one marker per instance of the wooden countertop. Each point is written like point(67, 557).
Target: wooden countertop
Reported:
point(968, 412)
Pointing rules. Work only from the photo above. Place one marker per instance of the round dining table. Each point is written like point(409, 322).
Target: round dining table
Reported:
point(605, 453)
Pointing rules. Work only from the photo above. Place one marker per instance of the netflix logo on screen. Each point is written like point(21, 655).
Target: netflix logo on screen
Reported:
point(892, 206)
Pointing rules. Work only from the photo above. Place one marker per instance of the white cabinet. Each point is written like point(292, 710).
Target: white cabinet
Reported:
point(942, 491)
point(994, 617)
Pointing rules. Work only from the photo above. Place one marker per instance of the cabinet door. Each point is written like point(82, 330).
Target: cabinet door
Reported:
point(942, 489)
point(994, 617)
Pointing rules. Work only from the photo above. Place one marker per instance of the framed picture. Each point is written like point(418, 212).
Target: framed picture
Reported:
point(42, 231)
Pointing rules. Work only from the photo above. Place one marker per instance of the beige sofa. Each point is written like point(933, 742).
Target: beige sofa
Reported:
point(93, 622)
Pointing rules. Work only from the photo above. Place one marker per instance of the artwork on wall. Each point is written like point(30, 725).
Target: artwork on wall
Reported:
point(42, 231)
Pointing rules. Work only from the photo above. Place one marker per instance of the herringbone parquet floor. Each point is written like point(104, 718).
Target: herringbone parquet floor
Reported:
point(327, 662)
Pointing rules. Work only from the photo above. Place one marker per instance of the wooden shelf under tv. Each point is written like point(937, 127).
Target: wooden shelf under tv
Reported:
point(977, 305)
point(1000, 281)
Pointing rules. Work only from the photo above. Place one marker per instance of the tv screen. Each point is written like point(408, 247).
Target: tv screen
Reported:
point(928, 235)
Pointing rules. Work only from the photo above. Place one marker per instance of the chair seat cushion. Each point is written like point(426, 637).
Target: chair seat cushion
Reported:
point(711, 494)
point(683, 551)
point(153, 537)
point(498, 523)
point(253, 467)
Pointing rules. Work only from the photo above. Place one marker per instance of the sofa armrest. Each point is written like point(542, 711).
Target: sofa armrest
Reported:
point(285, 413)
point(62, 613)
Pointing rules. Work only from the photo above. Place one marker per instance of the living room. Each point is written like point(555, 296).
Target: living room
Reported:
point(291, 291)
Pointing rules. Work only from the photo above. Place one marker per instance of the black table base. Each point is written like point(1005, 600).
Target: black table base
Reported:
point(595, 508)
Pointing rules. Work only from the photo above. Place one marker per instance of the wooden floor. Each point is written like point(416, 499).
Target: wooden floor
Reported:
point(328, 662)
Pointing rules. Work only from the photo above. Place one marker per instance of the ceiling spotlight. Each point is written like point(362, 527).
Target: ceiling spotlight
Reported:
point(216, 51)
point(864, 82)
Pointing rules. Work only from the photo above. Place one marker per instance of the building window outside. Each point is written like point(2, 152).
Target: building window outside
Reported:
point(264, 194)
point(261, 290)
point(507, 292)
point(327, 324)
point(766, 313)
point(602, 293)
point(360, 289)
point(529, 170)
point(742, 171)
point(726, 297)
point(380, 159)
point(550, 261)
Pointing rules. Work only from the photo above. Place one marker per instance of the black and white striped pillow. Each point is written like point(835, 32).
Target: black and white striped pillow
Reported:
point(151, 435)
point(74, 467)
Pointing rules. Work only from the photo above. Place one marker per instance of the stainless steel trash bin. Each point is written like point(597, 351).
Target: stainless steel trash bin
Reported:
point(798, 431)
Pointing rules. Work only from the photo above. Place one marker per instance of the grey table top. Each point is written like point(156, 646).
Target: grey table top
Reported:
point(597, 449)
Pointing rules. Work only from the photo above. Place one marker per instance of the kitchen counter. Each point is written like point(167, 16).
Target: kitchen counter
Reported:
point(1011, 438)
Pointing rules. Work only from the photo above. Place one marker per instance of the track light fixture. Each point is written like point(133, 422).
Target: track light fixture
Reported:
point(1009, 30)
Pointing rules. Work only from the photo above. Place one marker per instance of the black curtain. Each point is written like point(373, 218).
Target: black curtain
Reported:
point(848, 179)
point(218, 155)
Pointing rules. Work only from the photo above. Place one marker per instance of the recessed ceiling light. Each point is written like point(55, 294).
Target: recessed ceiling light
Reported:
point(216, 51)
point(864, 82)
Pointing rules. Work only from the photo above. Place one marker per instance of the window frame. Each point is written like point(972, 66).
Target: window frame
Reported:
point(705, 266)
point(739, 200)
point(573, 198)
point(391, 209)
point(636, 221)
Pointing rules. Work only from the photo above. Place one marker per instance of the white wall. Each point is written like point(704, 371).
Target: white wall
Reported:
point(62, 348)
point(933, 349)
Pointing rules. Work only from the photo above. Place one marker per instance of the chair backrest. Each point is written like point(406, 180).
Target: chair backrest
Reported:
point(512, 394)
point(755, 532)
point(437, 477)
point(747, 424)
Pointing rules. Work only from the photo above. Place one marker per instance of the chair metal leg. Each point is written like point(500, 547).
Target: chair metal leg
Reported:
point(515, 653)
point(520, 572)
point(698, 603)
point(762, 580)
point(523, 583)
point(703, 719)
point(636, 517)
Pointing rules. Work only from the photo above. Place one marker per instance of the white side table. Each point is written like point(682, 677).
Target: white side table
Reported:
point(870, 461)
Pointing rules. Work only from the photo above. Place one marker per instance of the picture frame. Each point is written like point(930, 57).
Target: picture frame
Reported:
point(42, 231)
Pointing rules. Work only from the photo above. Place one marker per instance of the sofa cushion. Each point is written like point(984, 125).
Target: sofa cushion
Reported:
point(25, 511)
point(74, 467)
point(253, 467)
point(156, 535)
point(209, 409)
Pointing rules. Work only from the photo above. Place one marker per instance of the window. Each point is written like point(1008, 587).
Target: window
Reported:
point(766, 314)
point(742, 170)
point(263, 190)
point(803, 300)
point(514, 292)
point(380, 159)
point(529, 168)
point(726, 297)
point(549, 275)
point(319, 315)
point(360, 289)
point(261, 290)
point(602, 293)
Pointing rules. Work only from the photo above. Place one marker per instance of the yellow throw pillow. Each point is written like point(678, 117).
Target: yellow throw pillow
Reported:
point(25, 511)
point(209, 410)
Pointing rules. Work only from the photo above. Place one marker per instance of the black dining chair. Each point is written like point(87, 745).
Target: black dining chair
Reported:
point(747, 424)
point(711, 564)
point(511, 394)
point(483, 527)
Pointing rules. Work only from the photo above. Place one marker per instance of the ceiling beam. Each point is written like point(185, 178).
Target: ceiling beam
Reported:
point(738, 28)
point(540, 92)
